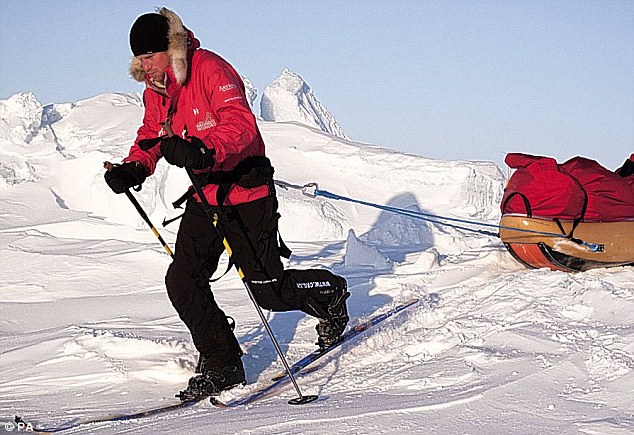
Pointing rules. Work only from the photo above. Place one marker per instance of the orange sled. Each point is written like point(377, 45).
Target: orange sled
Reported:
point(541, 242)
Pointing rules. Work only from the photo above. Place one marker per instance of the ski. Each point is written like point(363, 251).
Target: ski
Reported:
point(301, 367)
point(108, 418)
point(277, 384)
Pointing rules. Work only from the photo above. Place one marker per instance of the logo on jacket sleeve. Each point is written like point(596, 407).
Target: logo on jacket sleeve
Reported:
point(208, 123)
point(227, 87)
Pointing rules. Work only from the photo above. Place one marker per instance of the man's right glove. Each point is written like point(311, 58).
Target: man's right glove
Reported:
point(122, 177)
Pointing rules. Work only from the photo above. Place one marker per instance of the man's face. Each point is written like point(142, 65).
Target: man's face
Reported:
point(155, 64)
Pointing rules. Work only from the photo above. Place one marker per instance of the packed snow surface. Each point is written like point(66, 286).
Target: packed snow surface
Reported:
point(86, 328)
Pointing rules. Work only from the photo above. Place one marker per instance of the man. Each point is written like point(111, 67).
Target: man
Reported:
point(202, 99)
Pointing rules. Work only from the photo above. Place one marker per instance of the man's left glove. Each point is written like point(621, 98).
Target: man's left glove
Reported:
point(184, 153)
point(122, 177)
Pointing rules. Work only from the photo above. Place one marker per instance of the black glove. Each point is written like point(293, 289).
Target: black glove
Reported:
point(122, 177)
point(146, 144)
point(190, 153)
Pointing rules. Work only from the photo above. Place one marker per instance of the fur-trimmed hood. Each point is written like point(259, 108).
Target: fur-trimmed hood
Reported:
point(180, 42)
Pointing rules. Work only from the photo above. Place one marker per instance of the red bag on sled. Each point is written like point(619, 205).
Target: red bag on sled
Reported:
point(579, 189)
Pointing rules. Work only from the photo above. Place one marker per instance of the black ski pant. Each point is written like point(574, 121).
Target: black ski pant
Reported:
point(251, 231)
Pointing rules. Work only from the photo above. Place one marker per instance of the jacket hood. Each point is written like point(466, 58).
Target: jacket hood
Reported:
point(180, 41)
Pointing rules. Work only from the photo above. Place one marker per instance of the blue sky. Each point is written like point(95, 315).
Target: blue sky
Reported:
point(443, 79)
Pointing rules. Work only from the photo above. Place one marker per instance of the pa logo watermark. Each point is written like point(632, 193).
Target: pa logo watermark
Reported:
point(18, 426)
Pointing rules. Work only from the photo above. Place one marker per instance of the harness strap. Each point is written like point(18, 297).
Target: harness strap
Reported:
point(251, 172)
point(229, 265)
point(285, 251)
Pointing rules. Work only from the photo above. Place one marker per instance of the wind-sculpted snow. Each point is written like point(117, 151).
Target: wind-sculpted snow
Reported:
point(359, 254)
point(77, 137)
point(290, 99)
point(251, 91)
point(86, 328)
point(16, 172)
point(106, 123)
point(20, 118)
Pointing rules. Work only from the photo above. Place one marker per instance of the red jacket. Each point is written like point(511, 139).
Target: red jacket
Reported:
point(208, 101)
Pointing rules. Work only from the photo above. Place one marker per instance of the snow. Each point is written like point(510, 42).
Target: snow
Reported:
point(86, 328)
point(250, 90)
point(20, 117)
point(290, 99)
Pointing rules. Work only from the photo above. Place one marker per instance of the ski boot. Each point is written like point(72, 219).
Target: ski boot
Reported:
point(330, 329)
point(201, 359)
point(213, 380)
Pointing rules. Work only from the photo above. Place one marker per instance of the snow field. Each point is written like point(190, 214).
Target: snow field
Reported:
point(86, 328)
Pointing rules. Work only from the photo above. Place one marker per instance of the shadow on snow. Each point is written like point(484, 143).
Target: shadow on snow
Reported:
point(392, 236)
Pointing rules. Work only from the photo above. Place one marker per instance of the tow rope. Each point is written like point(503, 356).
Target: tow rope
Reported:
point(312, 190)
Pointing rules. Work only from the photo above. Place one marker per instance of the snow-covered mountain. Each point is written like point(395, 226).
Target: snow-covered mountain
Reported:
point(251, 91)
point(20, 118)
point(86, 328)
point(290, 99)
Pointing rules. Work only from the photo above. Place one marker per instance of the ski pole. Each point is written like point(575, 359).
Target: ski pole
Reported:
point(301, 399)
point(142, 212)
point(214, 217)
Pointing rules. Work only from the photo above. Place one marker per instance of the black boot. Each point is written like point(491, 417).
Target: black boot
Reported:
point(213, 380)
point(330, 328)
point(201, 359)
